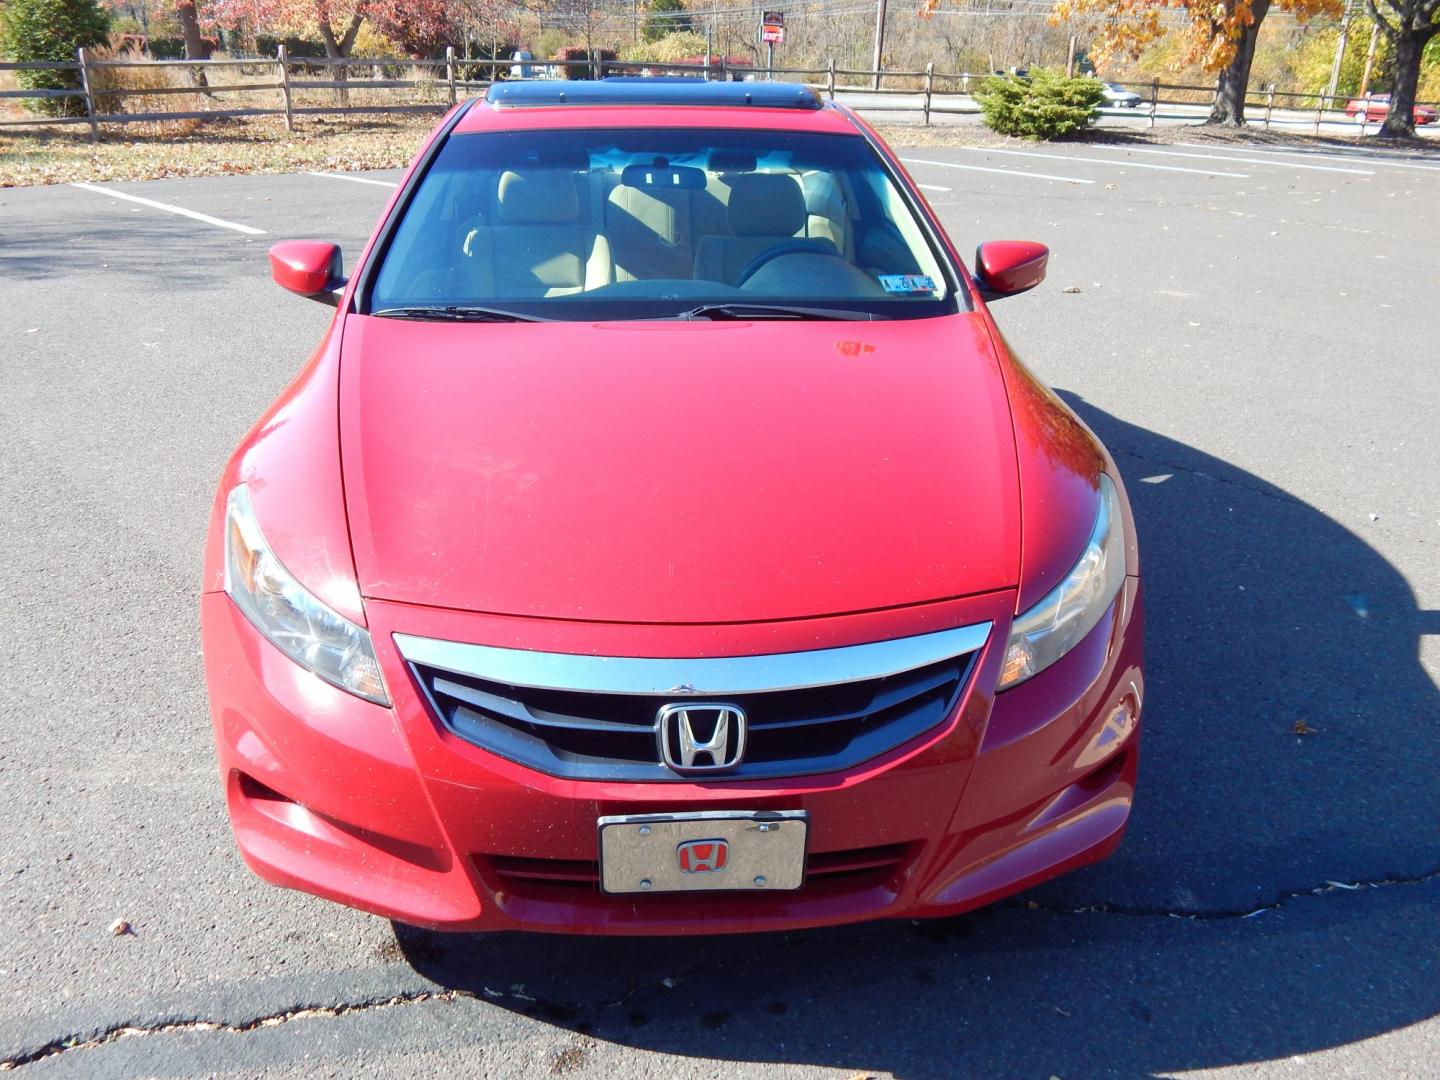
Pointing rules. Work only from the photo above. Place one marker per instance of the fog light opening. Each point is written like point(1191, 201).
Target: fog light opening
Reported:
point(1098, 779)
point(257, 792)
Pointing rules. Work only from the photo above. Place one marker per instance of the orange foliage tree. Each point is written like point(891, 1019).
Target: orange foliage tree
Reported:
point(1220, 33)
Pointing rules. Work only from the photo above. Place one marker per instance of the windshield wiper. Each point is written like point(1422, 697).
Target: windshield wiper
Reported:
point(774, 311)
point(455, 313)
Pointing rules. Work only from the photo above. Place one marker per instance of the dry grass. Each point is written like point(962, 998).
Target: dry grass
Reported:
point(210, 148)
point(52, 154)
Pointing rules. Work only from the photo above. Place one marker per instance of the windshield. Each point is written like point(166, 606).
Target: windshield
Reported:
point(591, 224)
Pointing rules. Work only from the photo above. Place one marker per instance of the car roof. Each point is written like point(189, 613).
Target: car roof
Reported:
point(630, 90)
point(653, 102)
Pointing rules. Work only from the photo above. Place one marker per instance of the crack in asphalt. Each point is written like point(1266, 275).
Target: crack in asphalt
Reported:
point(129, 1029)
point(1254, 489)
point(1216, 915)
point(567, 1011)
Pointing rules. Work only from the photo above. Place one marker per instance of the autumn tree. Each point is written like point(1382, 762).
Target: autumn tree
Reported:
point(486, 24)
point(335, 21)
point(1220, 35)
point(579, 18)
point(1409, 24)
point(419, 29)
point(189, 21)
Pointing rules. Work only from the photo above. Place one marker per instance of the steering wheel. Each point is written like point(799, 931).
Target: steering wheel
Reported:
point(785, 247)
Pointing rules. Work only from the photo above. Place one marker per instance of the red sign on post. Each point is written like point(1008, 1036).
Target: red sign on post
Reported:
point(772, 28)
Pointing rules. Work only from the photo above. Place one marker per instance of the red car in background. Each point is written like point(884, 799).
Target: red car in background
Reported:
point(1377, 106)
point(663, 539)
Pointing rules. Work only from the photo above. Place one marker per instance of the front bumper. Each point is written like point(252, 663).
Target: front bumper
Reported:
point(385, 810)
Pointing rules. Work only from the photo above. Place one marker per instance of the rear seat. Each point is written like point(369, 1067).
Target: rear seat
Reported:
point(652, 234)
point(765, 209)
point(649, 233)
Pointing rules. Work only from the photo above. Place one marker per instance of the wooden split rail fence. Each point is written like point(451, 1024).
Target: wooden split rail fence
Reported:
point(926, 92)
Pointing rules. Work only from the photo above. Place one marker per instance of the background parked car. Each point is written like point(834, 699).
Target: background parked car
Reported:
point(1379, 106)
point(1118, 97)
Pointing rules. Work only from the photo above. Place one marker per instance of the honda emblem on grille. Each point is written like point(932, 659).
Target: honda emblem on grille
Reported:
point(701, 737)
point(703, 856)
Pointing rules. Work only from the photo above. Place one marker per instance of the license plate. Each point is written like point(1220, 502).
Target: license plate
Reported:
point(735, 850)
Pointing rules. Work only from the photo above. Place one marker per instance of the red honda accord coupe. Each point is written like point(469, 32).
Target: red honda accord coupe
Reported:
point(663, 540)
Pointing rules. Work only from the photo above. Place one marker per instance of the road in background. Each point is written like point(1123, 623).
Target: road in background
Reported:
point(1251, 332)
point(907, 108)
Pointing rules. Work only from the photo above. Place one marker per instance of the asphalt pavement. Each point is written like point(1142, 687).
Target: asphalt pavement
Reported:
point(1251, 331)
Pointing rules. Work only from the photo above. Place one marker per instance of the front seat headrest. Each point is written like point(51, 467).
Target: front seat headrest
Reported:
point(766, 204)
point(538, 197)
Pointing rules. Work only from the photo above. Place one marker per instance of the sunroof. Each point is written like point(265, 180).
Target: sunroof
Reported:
point(626, 90)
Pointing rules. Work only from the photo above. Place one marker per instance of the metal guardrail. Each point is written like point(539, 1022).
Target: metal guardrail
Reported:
point(453, 75)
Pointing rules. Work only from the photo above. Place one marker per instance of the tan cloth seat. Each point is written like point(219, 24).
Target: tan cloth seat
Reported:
point(537, 243)
point(649, 233)
point(827, 218)
point(765, 209)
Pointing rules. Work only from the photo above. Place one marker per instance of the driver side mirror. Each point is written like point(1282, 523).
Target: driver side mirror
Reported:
point(1007, 267)
point(309, 267)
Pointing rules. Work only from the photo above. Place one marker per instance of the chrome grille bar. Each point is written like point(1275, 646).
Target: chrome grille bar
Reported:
point(664, 677)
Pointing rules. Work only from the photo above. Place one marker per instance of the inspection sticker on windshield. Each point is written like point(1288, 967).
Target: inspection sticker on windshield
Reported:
point(907, 283)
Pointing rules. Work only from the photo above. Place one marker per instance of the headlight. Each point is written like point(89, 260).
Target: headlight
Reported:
point(1062, 618)
point(295, 622)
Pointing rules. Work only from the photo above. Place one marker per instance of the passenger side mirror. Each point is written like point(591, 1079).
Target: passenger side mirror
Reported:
point(1007, 267)
point(311, 268)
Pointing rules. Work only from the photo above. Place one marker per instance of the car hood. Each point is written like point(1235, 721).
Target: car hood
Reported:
point(677, 471)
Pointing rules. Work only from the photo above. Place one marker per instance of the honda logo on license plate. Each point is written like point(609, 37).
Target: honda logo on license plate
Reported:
point(703, 856)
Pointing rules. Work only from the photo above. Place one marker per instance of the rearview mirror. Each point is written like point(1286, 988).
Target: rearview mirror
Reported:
point(309, 267)
point(1007, 267)
point(663, 176)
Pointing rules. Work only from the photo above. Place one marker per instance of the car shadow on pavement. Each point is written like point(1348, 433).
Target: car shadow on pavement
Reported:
point(1276, 894)
point(116, 242)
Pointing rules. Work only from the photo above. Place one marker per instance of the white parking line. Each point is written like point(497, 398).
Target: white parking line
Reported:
point(1106, 161)
point(1002, 172)
point(248, 230)
point(1381, 162)
point(931, 187)
point(1220, 157)
point(352, 179)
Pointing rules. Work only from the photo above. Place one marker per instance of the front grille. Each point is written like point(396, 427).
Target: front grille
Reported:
point(859, 863)
point(825, 870)
point(801, 730)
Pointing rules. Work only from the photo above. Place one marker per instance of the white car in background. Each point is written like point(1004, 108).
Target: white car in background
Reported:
point(1116, 96)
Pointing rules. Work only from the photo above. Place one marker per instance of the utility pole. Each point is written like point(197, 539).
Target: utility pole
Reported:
point(879, 39)
point(1369, 61)
point(1070, 59)
point(1339, 52)
point(635, 20)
